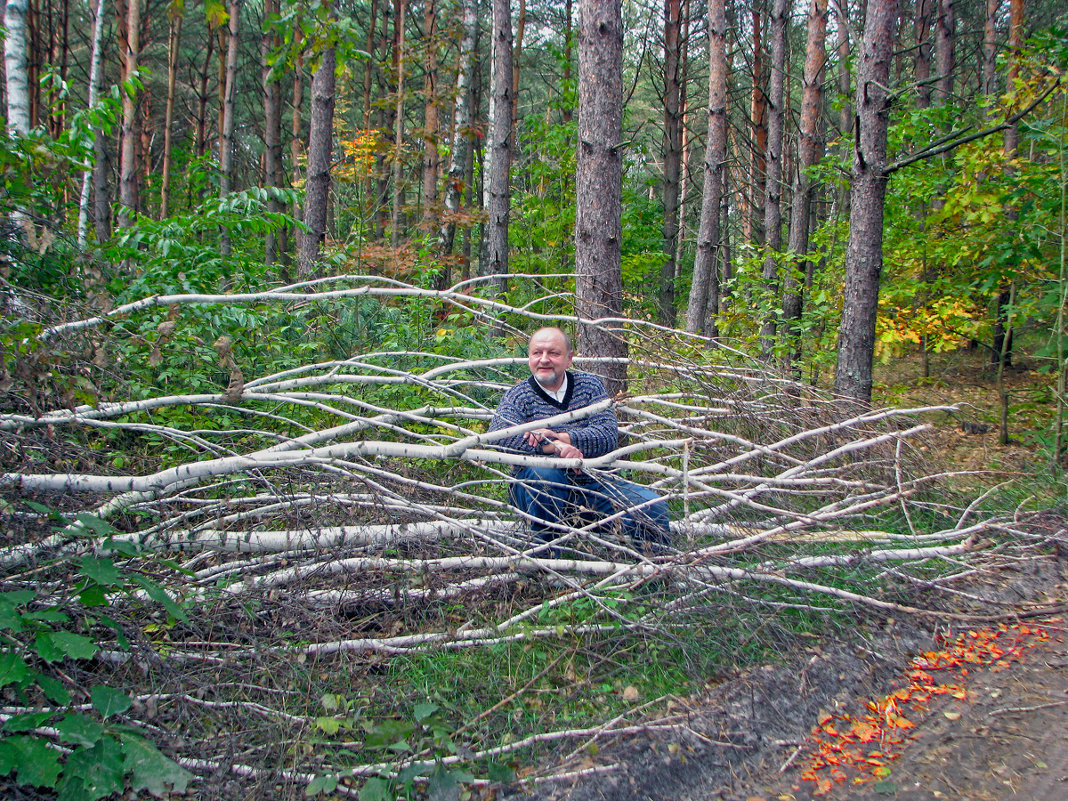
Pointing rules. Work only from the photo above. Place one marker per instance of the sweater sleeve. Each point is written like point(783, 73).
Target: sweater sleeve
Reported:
point(510, 413)
point(597, 434)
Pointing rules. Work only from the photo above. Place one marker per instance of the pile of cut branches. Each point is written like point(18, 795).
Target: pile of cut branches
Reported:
point(313, 579)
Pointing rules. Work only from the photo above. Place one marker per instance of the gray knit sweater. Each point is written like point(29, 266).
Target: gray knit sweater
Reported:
point(526, 402)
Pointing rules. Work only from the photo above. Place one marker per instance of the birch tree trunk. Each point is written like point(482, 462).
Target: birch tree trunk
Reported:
point(320, 148)
point(807, 154)
point(17, 82)
point(704, 292)
point(599, 187)
point(95, 61)
point(499, 146)
point(672, 156)
point(128, 151)
point(773, 181)
point(864, 251)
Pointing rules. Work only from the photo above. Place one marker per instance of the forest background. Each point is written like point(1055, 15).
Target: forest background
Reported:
point(269, 265)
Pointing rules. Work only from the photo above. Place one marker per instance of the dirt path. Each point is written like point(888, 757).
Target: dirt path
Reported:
point(1006, 737)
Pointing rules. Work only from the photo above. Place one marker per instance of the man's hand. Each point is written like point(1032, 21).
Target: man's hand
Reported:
point(548, 441)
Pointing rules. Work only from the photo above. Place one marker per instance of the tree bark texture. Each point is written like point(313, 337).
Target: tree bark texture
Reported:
point(499, 145)
point(226, 133)
point(273, 175)
point(400, 8)
point(320, 149)
point(174, 39)
point(461, 137)
point(599, 186)
point(431, 124)
point(808, 150)
point(945, 42)
point(128, 152)
point(672, 155)
point(773, 182)
point(925, 13)
point(95, 68)
point(752, 224)
point(704, 291)
point(864, 250)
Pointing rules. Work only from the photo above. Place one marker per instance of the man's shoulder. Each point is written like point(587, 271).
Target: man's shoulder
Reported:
point(588, 380)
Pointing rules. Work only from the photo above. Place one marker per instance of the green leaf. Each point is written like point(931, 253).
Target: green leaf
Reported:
point(375, 790)
point(80, 730)
point(423, 711)
point(109, 701)
point(37, 763)
point(26, 722)
point(56, 690)
point(120, 637)
point(102, 571)
point(100, 769)
point(75, 646)
point(93, 595)
point(95, 524)
point(10, 616)
point(499, 772)
point(442, 785)
point(9, 757)
point(150, 770)
point(13, 668)
point(321, 784)
point(124, 547)
point(328, 724)
point(160, 595)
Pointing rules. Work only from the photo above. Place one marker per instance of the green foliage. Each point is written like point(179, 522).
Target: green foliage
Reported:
point(99, 756)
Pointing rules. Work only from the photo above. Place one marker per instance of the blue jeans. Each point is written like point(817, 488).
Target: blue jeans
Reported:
point(549, 495)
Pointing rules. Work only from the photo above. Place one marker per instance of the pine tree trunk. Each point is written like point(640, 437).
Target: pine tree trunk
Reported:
point(174, 39)
point(397, 219)
point(272, 133)
point(320, 150)
point(807, 154)
point(598, 188)
point(499, 147)
point(925, 12)
point(461, 142)
point(945, 40)
point(864, 250)
point(773, 181)
point(672, 156)
point(517, 53)
point(431, 124)
point(704, 291)
point(226, 133)
point(752, 224)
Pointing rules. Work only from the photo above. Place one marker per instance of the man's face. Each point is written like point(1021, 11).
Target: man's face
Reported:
point(548, 358)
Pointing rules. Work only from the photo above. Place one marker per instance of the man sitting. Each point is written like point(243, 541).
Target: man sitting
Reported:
point(547, 495)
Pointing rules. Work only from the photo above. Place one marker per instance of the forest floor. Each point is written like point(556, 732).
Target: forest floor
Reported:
point(911, 709)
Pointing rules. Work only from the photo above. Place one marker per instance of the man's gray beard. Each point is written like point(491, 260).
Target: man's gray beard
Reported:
point(546, 385)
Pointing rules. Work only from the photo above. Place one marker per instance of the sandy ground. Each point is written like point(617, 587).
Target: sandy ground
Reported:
point(750, 738)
